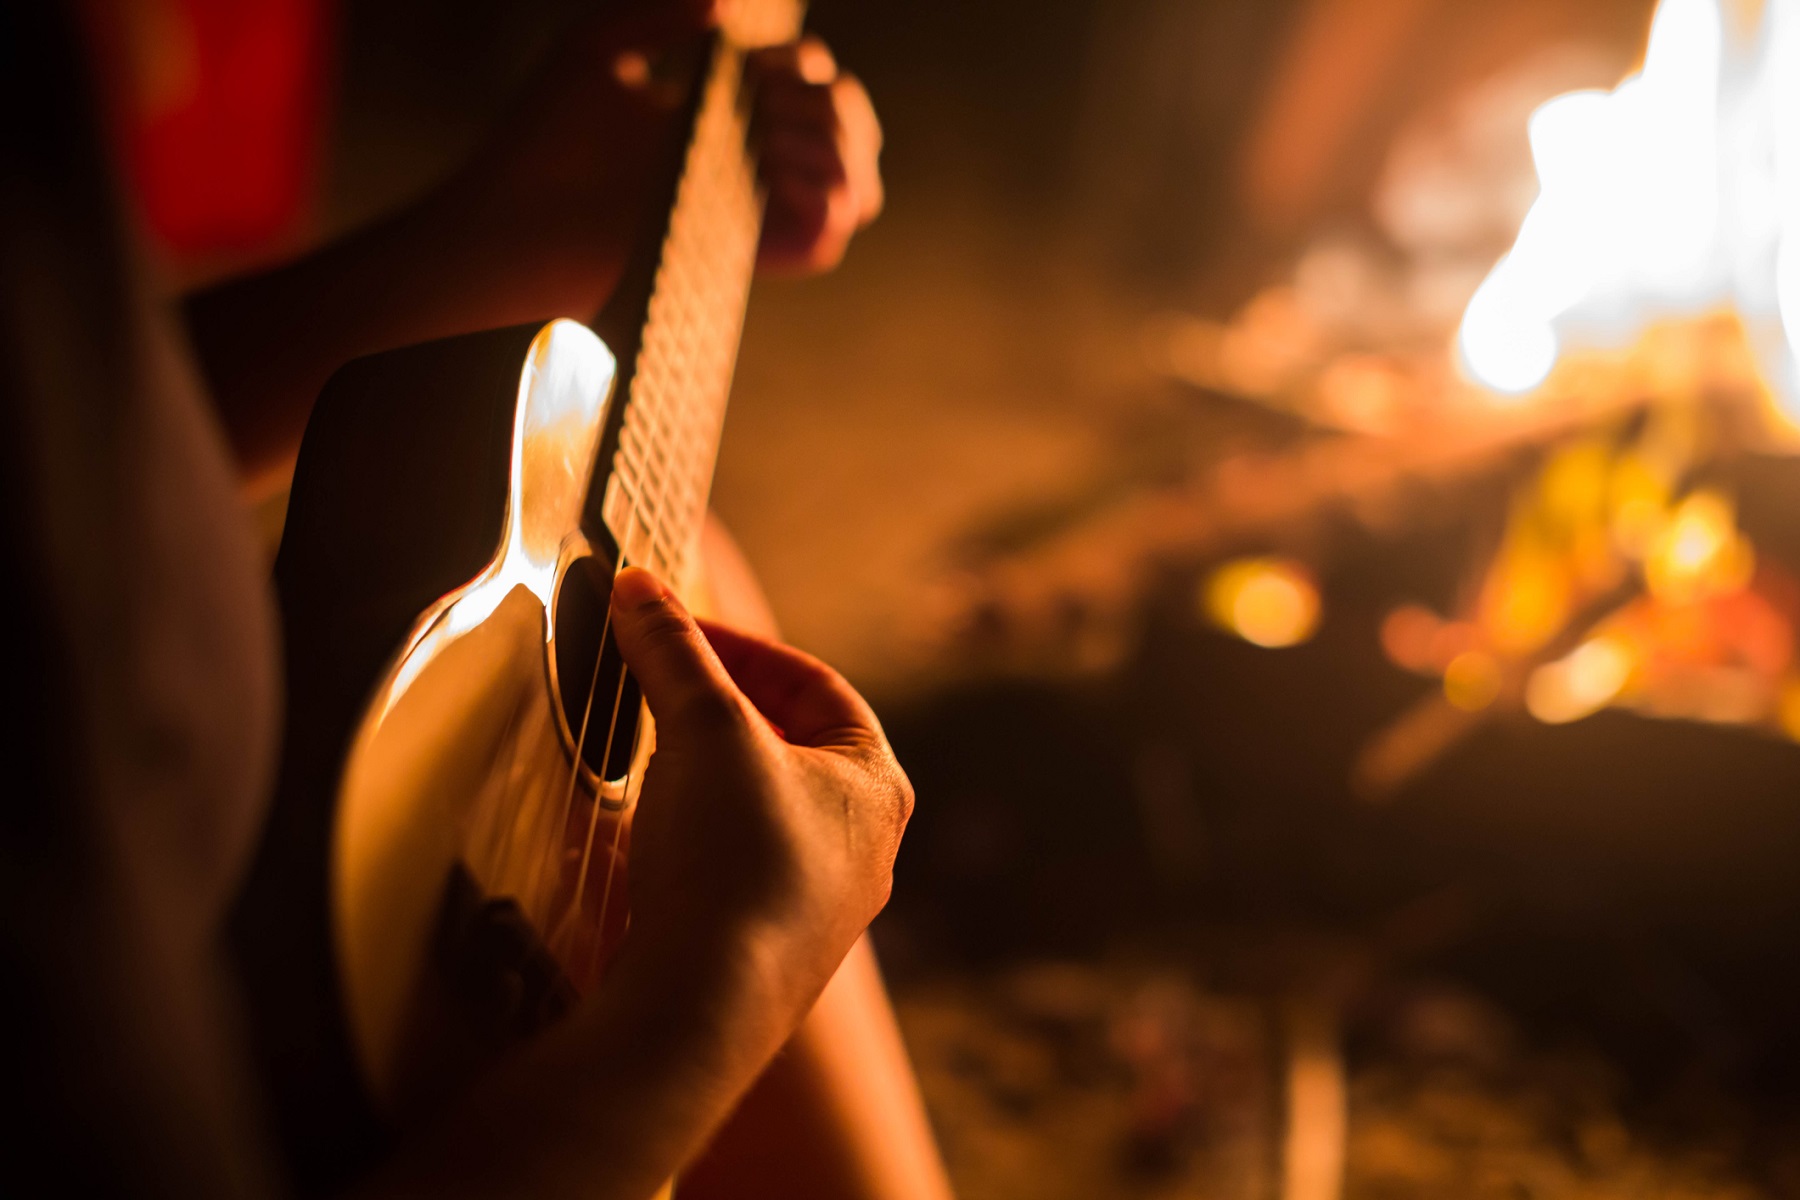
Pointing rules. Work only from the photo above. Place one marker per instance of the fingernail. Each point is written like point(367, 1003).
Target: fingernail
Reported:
point(635, 587)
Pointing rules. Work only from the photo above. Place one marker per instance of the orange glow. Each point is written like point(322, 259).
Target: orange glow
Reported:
point(1408, 637)
point(1472, 680)
point(1527, 597)
point(1639, 503)
point(1787, 712)
point(1580, 684)
point(1270, 602)
point(1266, 345)
point(1363, 392)
point(1699, 551)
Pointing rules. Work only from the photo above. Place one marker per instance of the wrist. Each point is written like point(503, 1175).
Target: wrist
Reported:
point(743, 973)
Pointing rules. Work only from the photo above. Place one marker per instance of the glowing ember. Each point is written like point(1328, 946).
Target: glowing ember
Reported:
point(1676, 192)
point(1270, 602)
point(1583, 683)
point(1699, 551)
point(1472, 680)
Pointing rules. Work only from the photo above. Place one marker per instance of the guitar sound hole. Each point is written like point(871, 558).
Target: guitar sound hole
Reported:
point(611, 718)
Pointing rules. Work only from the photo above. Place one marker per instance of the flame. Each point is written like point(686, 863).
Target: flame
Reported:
point(1677, 191)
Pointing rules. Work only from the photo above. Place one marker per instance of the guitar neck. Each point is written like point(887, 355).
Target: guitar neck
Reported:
point(675, 321)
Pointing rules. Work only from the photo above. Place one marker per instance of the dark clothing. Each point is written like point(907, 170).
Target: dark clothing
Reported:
point(143, 674)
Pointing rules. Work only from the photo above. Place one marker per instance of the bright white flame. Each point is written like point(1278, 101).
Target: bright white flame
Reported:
point(1676, 190)
point(1784, 89)
point(1507, 341)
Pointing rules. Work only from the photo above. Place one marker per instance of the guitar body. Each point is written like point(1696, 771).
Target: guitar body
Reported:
point(433, 882)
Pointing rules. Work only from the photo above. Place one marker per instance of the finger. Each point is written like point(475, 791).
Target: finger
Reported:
point(688, 689)
point(860, 141)
point(863, 144)
point(807, 227)
point(809, 702)
point(795, 153)
point(794, 103)
point(814, 124)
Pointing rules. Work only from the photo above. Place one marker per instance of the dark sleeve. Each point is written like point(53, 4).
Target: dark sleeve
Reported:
point(117, 1058)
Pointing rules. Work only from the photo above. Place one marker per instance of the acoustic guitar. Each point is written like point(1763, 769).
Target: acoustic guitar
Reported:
point(464, 745)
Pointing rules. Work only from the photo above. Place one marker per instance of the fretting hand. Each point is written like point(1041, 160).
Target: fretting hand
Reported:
point(561, 185)
point(820, 145)
point(537, 225)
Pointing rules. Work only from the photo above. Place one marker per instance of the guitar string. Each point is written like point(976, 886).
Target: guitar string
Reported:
point(612, 864)
point(560, 831)
point(574, 913)
point(587, 851)
point(587, 716)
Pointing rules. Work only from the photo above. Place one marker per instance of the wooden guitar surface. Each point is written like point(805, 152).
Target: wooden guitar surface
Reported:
point(464, 859)
point(475, 859)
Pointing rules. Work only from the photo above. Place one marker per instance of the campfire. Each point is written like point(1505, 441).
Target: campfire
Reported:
point(1627, 354)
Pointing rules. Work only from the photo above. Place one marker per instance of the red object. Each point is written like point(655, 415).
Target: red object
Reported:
point(220, 109)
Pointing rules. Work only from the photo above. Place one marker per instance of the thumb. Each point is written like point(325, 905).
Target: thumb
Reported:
point(681, 677)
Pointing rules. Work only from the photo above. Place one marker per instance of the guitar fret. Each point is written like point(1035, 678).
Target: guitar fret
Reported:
point(656, 496)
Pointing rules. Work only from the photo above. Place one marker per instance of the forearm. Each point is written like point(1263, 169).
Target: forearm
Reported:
point(837, 1115)
point(267, 343)
point(610, 1104)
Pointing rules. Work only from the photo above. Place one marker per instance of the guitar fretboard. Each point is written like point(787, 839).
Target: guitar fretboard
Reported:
point(656, 491)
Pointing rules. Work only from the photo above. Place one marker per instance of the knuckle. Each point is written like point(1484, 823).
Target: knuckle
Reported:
point(891, 790)
point(847, 89)
point(906, 799)
point(851, 100)
point(901, 801)
point(817, 63)
point(882, 893)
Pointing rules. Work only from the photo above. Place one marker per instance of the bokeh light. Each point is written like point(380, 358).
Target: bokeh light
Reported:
point(1270, 602)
